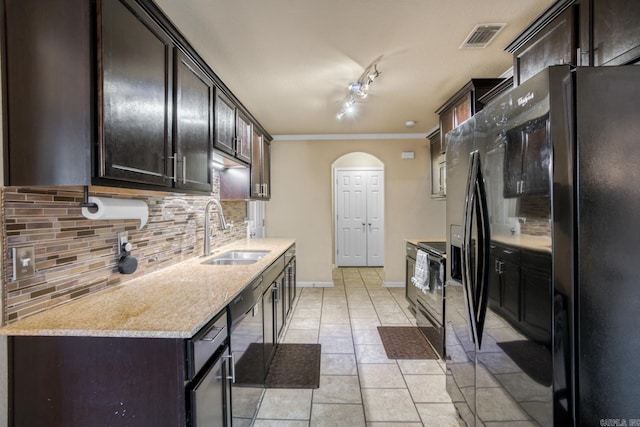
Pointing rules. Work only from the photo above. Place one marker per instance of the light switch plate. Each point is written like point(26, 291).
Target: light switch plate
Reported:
point(24, 262)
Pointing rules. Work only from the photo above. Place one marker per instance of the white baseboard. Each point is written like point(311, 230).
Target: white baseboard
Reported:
point(315, 284)
point(393, 284)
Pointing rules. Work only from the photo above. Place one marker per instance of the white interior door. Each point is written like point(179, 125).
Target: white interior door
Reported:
point(375, 218)
point(351, 219)
point(359, 218)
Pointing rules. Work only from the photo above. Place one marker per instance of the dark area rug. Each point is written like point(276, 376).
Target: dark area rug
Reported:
point(250, 367)
point(295, 366)
point(534, 359)
point(405, 342)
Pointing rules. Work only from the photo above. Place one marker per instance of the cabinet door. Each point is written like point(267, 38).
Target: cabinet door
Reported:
point(266, 168)
point(278, 306)
point(536, 159)
point(136, 95)
point(537, 302)
point(210, 398)
point(554, 45)
point(244, 132)
point(616, 32)
point(435, 168)
point(512, 163)
point(447, 122)
point(225, 124)
point(268, 325)
point(47, 67)
point(256, 166)
point(193, 125)
point(511, 289)
point(495, 283)
point(463, 110)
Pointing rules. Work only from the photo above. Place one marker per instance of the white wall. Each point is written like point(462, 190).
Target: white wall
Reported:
point(301, 200)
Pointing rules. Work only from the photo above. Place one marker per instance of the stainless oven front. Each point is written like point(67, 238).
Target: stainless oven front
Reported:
point(430, 301)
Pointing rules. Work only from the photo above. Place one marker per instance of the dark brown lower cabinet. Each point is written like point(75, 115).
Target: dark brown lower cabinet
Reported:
point(89, 381)
point(520, 289)
point(96, 381)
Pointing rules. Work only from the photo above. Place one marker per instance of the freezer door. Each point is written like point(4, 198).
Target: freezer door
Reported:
point(608, 153)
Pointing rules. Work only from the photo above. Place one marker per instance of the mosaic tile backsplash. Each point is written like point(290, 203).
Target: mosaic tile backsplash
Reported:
point(536, 209)
point(75, 256)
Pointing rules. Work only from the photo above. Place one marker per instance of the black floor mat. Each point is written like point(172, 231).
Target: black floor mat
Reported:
point(534, 359)
point(405, 342)
point(250, 367)
point(295, 366)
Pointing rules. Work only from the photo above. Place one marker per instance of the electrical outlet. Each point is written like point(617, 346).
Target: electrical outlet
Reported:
point(24, 262)
point(123, 239)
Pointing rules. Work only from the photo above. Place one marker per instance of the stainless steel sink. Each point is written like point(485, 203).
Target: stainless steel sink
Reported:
point(237, 258)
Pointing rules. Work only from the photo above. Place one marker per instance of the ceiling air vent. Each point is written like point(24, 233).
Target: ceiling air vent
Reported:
point(481, 36)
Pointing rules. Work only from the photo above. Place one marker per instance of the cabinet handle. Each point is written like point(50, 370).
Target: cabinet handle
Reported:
point(174, 178)
point(184, 170)
point(232, 357)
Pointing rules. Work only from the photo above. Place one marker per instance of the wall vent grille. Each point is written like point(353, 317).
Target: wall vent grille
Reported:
point(481, 36)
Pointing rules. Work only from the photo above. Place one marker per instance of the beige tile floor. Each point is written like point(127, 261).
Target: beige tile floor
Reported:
point(359, 385)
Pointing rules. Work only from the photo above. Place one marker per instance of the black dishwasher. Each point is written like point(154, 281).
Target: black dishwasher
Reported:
point(210, 371)
point(247, 347)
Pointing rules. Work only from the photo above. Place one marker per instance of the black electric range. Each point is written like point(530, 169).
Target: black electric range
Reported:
point(436, 248)
point(430, 302)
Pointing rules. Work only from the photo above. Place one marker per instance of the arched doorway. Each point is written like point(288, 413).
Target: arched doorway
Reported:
point(358, 202)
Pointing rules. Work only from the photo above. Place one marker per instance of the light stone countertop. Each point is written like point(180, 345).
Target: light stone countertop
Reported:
point(174, 302)
point(415, 241)
point(525, 241)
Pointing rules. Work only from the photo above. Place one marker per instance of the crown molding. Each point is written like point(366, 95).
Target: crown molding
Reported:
point(343, 136)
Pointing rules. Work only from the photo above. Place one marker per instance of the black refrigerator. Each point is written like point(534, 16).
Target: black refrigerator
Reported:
point(543, 215)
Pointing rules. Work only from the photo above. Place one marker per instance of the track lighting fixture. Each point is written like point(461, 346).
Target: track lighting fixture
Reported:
point(359, 89)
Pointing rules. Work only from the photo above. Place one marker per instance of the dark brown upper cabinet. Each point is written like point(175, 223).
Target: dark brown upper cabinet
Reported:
point(225, 124)
point(118, 98)
point(233, 129)
point(48, 113)
point(550, 40)
point(260, 167)
point(438, 173)
point(135, 96)
point(244, 134)
point(527, 160)
point(193, 125)
point(615, 32)
point(462, 105)
point(581, 33)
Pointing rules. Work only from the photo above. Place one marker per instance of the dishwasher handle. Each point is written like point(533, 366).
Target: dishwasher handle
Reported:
point(232, 358)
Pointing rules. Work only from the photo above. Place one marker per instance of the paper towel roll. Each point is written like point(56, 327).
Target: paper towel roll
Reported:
point(118, 209)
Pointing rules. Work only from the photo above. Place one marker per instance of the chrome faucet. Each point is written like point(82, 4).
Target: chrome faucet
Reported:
point(207, 234)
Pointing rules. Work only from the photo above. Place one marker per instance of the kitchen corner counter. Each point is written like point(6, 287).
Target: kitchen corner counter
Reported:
point(415, 241)
point(524, 241)
point(174, 302)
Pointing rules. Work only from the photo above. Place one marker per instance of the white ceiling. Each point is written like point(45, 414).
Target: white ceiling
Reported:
point(290, 61)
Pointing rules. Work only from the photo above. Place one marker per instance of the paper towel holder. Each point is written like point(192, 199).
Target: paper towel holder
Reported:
point(93, 208)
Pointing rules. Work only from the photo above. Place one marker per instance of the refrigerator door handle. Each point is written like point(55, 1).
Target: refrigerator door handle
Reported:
point(484, 252)
point(475, 278)
point(467, 225)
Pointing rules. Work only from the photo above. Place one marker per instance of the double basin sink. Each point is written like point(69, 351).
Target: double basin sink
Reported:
point(237, 257)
